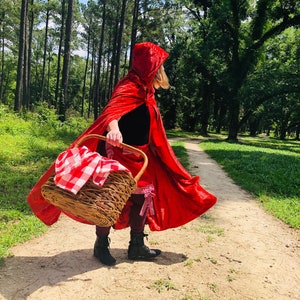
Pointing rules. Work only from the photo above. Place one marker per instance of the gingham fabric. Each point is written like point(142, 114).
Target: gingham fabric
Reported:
point(75, 166)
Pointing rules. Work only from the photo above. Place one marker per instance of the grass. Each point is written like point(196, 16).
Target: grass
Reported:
point(163, 285)
point(181, 153)
point(267, 168)
point(210, 229)
point(29, 144)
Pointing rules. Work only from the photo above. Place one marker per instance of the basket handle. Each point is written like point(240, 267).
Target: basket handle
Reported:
point(131, 148)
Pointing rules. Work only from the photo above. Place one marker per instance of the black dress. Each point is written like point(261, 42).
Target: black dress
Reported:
point(135, 126)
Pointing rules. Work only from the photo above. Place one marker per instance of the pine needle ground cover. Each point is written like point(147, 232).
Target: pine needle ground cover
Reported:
point(267, 168)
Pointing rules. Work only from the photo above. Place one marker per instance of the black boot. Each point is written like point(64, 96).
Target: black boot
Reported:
point(137, 250)
point(101, 251)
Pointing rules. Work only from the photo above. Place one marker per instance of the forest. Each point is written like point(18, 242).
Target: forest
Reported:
point(234, 65)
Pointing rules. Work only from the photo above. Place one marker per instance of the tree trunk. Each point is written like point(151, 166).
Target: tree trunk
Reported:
point(254, 125)
point(26, 66)
point(21, 57)
point(119, 42)
point(30, 35)
point(112, 32)
point(96, 89)
point(85, 72)
point(2, 59)
point(59, 55)
point(205, 109)
point(91, 80)
point(284, 125)
point(233, 129)
point(135, 15)
point(2, 69)
point(64, 103)
point(107, 80)
point(45, 54)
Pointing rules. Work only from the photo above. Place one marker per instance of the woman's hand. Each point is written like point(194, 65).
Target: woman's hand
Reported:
point(114, 136)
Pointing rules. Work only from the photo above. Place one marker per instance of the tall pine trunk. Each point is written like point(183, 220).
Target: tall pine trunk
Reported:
point(2, 69)
point(21, 57)
point(135, 15)
point(59, 55)
point(113, 31)
point(85, 72)
point(64, 102)
point(45, 54)
point(29, 54)
point(119, 42)
point(205, 109)
point(96, 88)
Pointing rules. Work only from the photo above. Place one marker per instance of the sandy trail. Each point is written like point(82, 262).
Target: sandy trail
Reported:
point(236, 251)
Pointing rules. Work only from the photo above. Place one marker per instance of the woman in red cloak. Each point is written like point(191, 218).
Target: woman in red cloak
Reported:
point(167, 195)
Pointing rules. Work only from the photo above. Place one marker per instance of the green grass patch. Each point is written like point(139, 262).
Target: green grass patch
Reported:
point(16, 227)
point(177, 133)
point(210, 229)
point(163, 285)
point(30, 143)
point(181, 153)
point(267, 168)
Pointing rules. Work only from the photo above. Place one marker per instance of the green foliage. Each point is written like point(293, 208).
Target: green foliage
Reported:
point(269, 169)
point(270, 92)
point(240, 56)
point(45, 122)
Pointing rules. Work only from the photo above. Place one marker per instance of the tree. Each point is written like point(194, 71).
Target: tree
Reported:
point(21, 57)
point(96, 87)
point(236, 32)
point(119, 42)
point(271, 92)
point(6, 22)
point(58, 98)
point(223, 54)
point(63, 103)
point(47, 17)
point(135, 15)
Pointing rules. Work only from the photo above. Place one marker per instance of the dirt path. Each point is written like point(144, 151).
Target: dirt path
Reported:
point(236, 251)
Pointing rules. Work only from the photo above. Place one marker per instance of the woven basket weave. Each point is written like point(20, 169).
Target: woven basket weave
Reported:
point(99, 205)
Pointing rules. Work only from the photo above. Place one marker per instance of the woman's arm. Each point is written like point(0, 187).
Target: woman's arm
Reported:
point(114, 136)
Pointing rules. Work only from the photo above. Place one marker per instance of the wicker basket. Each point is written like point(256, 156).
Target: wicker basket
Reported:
point(99, 205)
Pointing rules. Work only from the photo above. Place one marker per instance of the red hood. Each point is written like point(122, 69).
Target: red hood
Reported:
point(146, 60)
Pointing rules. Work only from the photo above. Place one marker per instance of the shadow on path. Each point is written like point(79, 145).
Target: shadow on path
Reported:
point(61, 268)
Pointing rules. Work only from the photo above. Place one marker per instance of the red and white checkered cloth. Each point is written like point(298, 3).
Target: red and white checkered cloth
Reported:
point(74, 167)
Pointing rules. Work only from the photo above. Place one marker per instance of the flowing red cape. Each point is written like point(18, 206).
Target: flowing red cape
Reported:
point(179, 197)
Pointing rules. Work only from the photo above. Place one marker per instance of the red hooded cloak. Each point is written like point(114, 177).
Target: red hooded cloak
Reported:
point(179, 198)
